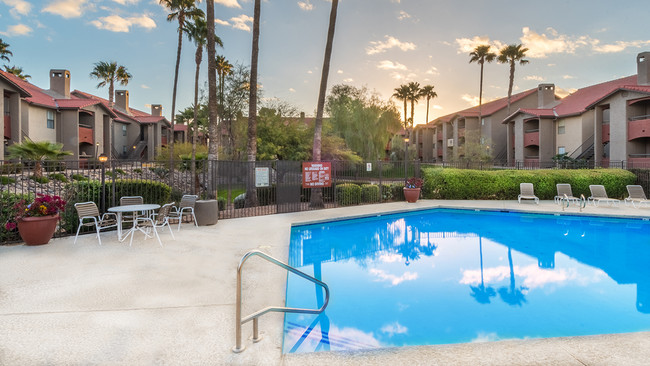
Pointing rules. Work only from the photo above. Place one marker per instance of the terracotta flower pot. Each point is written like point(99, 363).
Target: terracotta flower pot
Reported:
point(411, 194)
point(37, 230)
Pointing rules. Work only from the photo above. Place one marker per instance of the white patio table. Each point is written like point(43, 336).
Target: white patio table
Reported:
point(119, 210)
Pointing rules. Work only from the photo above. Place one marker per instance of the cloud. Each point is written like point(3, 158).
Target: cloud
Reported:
point(116, 23)
point(228, 3)
point(403, 15)
point(551, 65)
point(292, 90)
point(394, 328)
point(305, 5)
point(310, 72)
point(564, 92)
point(533, 276)
point(125, 2)
point(391, 42)
point(390, 65)
point(17, 30)
point(394, 280)
point(18, 7)
point(66, 8)
point(435, 106)
point(566, 77)
point(221, 22)
point(433, 71)
point(145, 86)
point(467, 45)
point(619, 46)
point(541, 45)
point(241, 21)
point(471, 99)
point(348, 80)
point(339, 71)
point(534, 77)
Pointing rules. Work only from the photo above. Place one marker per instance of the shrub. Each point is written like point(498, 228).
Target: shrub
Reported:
point(60, 177)
point(7, 203)
point(369, 193)
point(137, 170)
point(6, 180)
point(348, 194)
point(222, 203)
point(41, 180)
point(10, 168)
point(79, 177)
point(451, 183)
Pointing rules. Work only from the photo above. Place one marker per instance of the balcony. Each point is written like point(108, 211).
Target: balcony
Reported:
point(638, 161)
point(8, 127)
point(531, 138)
point(638, 127)
point(439, 151)
point(531, 162)
point(461, 132)
point(164, 141)
point(605, 133)
point(439, 136)
point(86, 135)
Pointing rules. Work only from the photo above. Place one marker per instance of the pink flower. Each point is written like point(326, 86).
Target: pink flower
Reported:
point(10, 226)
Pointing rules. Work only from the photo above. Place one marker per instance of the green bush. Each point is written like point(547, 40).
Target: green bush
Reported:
point(79, 177)
point(448, 183)
point(369, 193)
point(10, 168)
point(60, 177)
point(7, 202)
point(222, 203)
point(137, 170)
point(6, 180)
point(348, 194)
point(41, 180)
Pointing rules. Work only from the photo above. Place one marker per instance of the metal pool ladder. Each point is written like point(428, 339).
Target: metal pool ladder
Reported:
point(238, 318)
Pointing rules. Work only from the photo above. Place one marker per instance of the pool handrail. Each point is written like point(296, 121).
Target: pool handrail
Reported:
point(238, 318)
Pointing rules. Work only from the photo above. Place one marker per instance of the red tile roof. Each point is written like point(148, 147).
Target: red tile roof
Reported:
point(180, 127)
point(12, 80)
point(134, 114)
point(578, 102)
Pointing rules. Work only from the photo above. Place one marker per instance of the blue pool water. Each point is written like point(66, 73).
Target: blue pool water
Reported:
point(455, 276)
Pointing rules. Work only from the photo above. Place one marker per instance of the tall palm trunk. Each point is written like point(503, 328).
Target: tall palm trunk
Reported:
point(511, 82)
point(427, 119)
point(110, 124)
point(198, 58)
point(181, 20)
point(213, 127)
point(480, 95)
point(317, 194)
point(251, 192)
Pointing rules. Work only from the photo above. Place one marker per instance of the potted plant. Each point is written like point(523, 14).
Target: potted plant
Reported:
point(412, 189)
point(36, 222)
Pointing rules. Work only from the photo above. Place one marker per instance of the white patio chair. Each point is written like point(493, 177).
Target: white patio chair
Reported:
point(598, 195)
point(185, 208)
point(152, 223)
point(88, 211)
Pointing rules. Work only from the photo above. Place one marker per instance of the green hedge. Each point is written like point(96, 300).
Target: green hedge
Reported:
point(470, 184)
point(348, 194)
point(369, 193)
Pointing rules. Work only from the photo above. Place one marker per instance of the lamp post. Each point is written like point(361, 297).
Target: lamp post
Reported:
point(103, 159)
point(406, 156)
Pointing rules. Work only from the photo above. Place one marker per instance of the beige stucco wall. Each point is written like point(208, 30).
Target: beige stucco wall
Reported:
point(573, 136)
point(37, 124)
point(498, 129)
point(119, 140)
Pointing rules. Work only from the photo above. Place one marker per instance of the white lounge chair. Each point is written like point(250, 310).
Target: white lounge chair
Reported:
point(564, 189)
point(598, 195)
point(88, 212)
point(526, 192)
point(636, 195)
point(185, 208)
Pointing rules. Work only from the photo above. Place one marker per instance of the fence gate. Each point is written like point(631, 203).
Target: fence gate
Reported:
point(289, 186)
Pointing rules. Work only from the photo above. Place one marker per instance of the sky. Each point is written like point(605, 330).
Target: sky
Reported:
point(378, 44)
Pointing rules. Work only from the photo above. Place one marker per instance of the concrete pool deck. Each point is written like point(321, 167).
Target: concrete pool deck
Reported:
point(64, 304)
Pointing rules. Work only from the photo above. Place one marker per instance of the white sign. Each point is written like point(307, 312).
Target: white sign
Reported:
point(261, 177)
point(368, 167)
point(450, 142)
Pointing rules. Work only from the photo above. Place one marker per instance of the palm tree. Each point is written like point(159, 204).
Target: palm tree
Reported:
point(512, 54)
point(213, 148)
point(481, 293)
point(197, 31)
point(4, 51)
point(317, 194)
point(37, 152)
point(223, 68)
point(481, 55)
point(251, 148)
point(427, 93)
point(18, 71)
point(402, 93)
point(414, 96)
point(512, 295)
point(180, 10)
point(108, 73)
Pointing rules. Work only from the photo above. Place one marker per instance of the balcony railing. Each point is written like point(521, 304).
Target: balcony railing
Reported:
point(637, 118)
point(7, 125)
point(531, 139)
point(605, 134)
point(461, 132)
point(638, 128)
point(86, 135)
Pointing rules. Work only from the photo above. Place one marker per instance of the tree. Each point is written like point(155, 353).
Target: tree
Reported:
point(251, 148)
point(37, 152)
point(414, 97)
point(402, 93)
point(108, 73)
point(213, 150)
point(223, 68)
point(481, 55)
point(4, 51)
point(512, 54)
point(197, 31)
point(427, 93)
point(18, 71)
point(317, 194)
point(180, 10)
point(235, 101)
point(364, 121)
point(281, 137)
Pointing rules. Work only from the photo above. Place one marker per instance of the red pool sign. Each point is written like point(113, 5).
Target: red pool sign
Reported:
point(316, 174)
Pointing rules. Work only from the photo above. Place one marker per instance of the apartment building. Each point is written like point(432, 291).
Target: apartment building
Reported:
point(80, 121)
point(603, 123)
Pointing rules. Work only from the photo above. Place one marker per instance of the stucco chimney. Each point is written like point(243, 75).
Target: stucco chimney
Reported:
point(156, 110)
point(643, 68)
point(122, 99)
point(60, 82)
point(545, 95)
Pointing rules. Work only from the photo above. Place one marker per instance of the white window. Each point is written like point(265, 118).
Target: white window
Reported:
point(561, 150)
point(123, 130)
point(561, 128)
point(50, 119)
point(482, 121)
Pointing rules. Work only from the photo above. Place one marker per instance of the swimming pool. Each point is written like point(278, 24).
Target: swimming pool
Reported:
point(453, 276)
